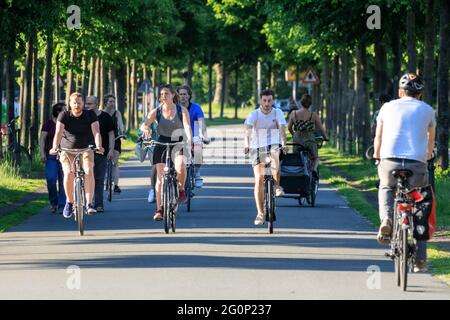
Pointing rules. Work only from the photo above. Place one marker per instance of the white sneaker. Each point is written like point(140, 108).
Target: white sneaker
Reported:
point(279, 192)
point(198, 182)
point(151, 196)
point(259, 221)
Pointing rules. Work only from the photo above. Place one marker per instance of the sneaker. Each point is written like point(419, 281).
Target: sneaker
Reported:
point(384, 234)
point(183, 197)
point(198, 182)
point(100, 209)
point(91, 209)
point(53, 209)
point(68, 210)
point(420, 266)
point(158, 215)
point(279, 192)
point(117, 189)
point(151, 196)
point(60, 210)
point(259, 221)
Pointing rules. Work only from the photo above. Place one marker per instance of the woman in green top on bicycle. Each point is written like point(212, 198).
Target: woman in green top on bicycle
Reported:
point(302, 125)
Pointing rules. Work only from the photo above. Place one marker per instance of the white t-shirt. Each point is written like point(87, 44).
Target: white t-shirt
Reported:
point(405, 129)
point(266, 128)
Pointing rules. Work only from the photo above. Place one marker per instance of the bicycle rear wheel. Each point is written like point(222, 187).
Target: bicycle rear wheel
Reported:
point(79, 205)
point(395, 240)
point(404, 260)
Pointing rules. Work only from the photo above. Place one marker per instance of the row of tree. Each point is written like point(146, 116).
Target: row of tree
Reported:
point(225, 50)
point(357, 63)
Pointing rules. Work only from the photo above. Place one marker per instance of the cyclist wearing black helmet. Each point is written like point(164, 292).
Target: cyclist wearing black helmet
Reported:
point(404, 139)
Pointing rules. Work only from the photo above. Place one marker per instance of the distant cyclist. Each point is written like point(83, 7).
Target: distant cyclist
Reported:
point(53, 170)
point(77, 129)
point(101, 160)
point(265, 127)
point(302, 125)
point(173, 126)
point(198, 126)
point(384, 98)
point(404, 139)
point(119, 129)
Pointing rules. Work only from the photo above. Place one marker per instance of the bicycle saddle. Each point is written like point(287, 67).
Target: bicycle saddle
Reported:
point(404, 173)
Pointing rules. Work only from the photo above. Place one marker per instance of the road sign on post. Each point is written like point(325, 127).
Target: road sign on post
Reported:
point(310, 77)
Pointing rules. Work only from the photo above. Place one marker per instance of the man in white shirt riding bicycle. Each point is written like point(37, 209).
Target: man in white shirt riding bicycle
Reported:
point(404, 140)
point(265, 127)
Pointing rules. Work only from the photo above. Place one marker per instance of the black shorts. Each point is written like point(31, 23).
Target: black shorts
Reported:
point(159, 153)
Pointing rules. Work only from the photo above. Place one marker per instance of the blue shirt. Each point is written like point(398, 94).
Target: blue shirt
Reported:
point(195, 113)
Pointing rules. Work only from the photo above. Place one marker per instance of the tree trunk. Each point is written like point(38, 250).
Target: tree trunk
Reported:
point(430, 36)
point(84, 77)
point(34, 129)
point(190, 72)
point(443, 74)
point(47, 82)
point(91, 77)
point(21, 91)
point(135, 100)
point(326, 90)
point(236, 92)
point(70, 76)
point(121, 87)
point(219, 75)
point(128, 105)
point(26, 115)
point(381, 78)
point(210, 69)
point(335, 108)
point(10, 84)
point(101, 93)
point(362, 119)
point(397, 56)
point(224, 86)
point(1, 99)
point(97, 77)
point(411, 33)
point(57, 89)
point(343, 89)
point(169, 74)
point(351, 112)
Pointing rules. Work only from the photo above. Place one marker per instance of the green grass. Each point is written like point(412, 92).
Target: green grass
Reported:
point(21, 214)
point(440, 262)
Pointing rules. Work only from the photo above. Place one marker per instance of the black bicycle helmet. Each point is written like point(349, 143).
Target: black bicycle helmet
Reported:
point(411, 82)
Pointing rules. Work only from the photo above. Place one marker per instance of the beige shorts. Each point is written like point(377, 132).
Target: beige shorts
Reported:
point(68, 163)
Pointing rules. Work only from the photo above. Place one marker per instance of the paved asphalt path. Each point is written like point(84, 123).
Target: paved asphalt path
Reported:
point(216, 253)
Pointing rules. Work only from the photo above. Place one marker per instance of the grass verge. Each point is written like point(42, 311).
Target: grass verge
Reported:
point(353, 176)
point(21, 214)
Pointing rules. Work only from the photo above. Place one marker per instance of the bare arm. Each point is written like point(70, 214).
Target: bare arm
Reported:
point(95, 127)
point(120, 122)
point(431, 138)
point(291, 122)
point(377, 141)
point(145, 127)
point(319, 125)
point(187, 126)
point(111, 139)
point(44, 135)
point(58, 136)
point(248, 132)
point(202, 128)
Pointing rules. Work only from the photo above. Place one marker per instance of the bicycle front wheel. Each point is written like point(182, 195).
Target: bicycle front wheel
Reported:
point(270, 204)
point(173, 210)
point(79, 205)
point(188, 188)
point(166, 204)
point(109, 187)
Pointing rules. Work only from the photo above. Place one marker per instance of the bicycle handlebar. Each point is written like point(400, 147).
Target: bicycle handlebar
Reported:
point(76, 151)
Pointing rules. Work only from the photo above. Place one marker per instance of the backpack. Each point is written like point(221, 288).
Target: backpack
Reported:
point(424, 215)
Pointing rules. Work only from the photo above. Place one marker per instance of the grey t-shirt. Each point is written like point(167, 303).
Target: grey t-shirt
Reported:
point(405, 129)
